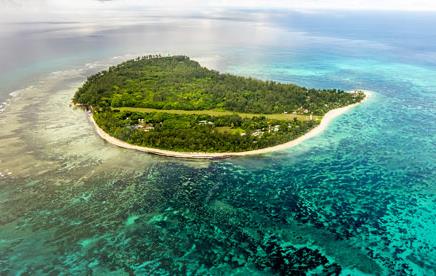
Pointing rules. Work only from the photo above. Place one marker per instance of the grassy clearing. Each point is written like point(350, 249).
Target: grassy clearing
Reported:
point(216, 113)
point(229, 130)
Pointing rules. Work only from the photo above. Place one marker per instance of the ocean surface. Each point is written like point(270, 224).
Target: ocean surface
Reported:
point(358, 199)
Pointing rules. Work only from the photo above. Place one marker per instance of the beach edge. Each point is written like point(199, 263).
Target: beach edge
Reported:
point(325, 121)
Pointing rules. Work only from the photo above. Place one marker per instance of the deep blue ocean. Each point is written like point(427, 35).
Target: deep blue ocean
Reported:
point(358, 199)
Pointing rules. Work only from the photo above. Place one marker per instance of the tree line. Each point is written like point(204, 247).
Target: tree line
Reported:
point(176, 82)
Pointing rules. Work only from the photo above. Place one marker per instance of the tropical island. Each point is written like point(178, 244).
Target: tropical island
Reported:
point(173, 106)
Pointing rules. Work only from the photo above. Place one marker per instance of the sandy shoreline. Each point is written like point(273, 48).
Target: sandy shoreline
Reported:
point(328, 117)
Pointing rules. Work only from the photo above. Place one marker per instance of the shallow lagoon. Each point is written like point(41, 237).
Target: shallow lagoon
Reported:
point(359, 198)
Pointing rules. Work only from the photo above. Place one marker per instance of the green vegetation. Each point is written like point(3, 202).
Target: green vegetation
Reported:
point(281, 116)
point(174, 103)
point(199, 133)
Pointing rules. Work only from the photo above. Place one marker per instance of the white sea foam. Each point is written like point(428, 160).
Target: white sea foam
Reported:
point(5, 173)
point(3, 106)
point(12, 95)
point(67, 73)
point(16, 93)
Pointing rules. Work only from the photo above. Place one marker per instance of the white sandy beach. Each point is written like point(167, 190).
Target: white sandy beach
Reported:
point(328, 117)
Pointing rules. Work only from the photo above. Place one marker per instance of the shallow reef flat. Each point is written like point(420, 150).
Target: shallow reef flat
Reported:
point(352, 200)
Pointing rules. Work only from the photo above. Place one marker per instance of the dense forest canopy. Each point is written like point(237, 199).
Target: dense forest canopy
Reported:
point(154, 102)
point(176, 82)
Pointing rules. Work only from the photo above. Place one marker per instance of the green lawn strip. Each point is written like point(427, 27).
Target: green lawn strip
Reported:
point(229, 130)
point(216, 113)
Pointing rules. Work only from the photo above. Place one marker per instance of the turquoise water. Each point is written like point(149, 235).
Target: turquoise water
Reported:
point(358, 199)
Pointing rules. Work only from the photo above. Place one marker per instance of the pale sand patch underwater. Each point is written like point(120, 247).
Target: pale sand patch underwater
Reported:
point(328, 117)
